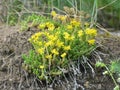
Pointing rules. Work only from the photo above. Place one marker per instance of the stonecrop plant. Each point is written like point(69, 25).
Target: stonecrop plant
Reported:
point(60, 40)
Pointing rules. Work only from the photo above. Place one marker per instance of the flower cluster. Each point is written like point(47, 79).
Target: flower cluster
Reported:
point(62, 18)
point(51, 43)
point(57, 45)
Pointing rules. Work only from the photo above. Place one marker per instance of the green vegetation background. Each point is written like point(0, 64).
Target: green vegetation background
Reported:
point(106, 9)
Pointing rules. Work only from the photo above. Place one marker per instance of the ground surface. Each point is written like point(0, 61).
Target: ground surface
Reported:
point(13, 77)
point(6, 30)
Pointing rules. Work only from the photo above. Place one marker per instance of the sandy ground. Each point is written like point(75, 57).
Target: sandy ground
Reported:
point(7, 30)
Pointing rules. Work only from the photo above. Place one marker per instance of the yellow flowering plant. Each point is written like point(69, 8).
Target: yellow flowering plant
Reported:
point(57, 43)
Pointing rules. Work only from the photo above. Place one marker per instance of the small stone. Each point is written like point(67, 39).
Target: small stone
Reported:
point(49, 88)
point(99, 86)
point(87, 84)
point(118, 80)
point(10, 79)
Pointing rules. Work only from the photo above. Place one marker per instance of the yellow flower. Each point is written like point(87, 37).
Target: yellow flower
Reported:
point(39, 34)
point(75, 23)
point(59, 43)
point(72, 38)
point(35, 41)
point(42, 66)
point(39, 43)
point(36, 36)
point(54, 51)
point(80, 33)
point(91, 42)
point(55, 38)
point(53, 13)
point(66, 35)
point(89, 31)
point(50, 26)
point(40, 50)
point(49, 43)
point(52, 37)
point(41, 26)
point(57, 33)
point(69, 27)
point(87, 24)
point(63, 55)
point(62, 17)
point(46, 34)
point(66, 48)
point(33, 37)
point(49, 56)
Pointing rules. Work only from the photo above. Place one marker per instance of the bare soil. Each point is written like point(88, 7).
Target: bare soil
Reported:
point(13, 76)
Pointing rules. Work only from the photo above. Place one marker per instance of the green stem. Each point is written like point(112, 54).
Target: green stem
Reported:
point(111, 75)
point(94, 13)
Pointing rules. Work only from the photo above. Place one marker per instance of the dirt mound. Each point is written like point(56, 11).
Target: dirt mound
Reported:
point(14, 77)
point(109, 46)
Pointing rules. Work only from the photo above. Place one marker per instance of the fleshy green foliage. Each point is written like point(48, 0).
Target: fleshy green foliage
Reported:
point(61, 40)
point(31, 21)
point(32, 61)
point(115, 66)
point(117, 87)
point(100, 64)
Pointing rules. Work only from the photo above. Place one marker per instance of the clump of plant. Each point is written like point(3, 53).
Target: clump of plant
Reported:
point(113, 68)
point(31, 21)
point(60, 40)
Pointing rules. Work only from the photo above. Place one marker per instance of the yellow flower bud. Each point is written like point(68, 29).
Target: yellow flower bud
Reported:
point(63, 55)
point(40, 50)
point(53, 13)
point(66, 48)
point(49, 56)
point(54, 51)
point(80, 33)
point(91, 42)
point(42, 66)
point(69, 27)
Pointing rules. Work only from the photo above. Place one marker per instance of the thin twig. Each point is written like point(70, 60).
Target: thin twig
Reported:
point(107, 5)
